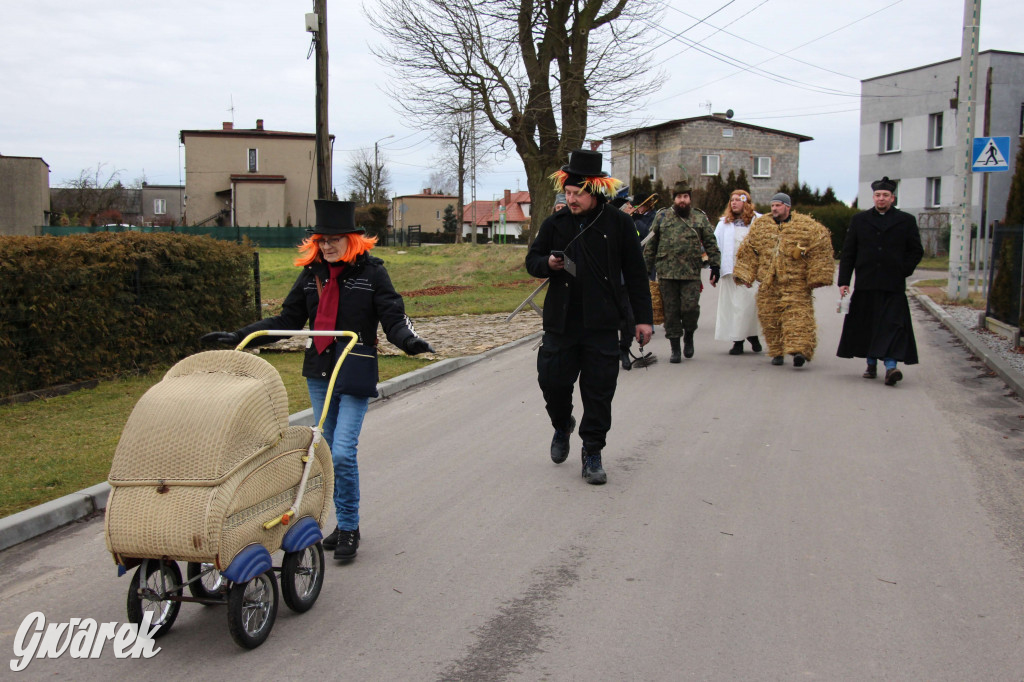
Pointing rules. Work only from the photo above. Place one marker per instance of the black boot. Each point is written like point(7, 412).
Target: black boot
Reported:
point(676, 353)
point(737, 348)
point(627, 360)
point(592, 471)
point(560, 442)
point(688, 343)
point(755, 345)
point(348, 543)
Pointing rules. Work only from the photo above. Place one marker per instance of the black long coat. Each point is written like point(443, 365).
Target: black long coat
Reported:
point(618, 274)
point(882, 250)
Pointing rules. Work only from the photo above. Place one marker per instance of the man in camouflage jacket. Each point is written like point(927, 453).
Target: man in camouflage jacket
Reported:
point(682, 243)
point(790, 254)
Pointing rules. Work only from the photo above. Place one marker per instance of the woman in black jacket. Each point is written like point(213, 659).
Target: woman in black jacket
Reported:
point(341, 288)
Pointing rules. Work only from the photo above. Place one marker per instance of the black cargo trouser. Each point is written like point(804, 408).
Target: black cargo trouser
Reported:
point(592, 356)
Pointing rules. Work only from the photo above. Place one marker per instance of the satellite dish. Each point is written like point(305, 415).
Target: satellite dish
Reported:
point(728, 113)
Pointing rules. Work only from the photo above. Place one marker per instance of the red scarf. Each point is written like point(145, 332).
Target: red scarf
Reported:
point(327, 308)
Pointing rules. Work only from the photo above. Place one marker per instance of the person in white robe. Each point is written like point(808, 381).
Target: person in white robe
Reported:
point(737, 306)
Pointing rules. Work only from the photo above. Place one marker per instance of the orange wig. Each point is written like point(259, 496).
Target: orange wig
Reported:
point(357, 244)
point(746, 216)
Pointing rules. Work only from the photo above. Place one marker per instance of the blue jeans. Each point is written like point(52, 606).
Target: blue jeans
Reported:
point(341, 432)
point(889, 363)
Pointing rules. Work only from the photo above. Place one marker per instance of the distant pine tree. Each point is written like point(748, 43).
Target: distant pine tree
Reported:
point(1015, 200)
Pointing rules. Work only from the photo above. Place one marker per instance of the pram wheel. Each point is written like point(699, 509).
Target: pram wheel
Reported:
point(252, 609)
point(207, 587)
point(160, 580)
point(302, 576)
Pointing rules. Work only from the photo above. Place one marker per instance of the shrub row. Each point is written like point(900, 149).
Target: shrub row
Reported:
point(83, 307)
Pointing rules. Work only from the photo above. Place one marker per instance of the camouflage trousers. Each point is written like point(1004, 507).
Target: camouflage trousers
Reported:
point(786, 313)
point(681, 300)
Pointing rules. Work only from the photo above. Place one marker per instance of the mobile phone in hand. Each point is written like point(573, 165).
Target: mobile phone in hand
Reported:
point(558, 254)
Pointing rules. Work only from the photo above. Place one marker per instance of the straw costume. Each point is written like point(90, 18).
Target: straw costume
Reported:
point(790, 258)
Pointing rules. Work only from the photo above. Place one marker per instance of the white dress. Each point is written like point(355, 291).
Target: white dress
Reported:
point(737, 306)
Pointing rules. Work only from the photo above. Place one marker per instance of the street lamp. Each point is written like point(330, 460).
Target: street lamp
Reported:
point(376, 165)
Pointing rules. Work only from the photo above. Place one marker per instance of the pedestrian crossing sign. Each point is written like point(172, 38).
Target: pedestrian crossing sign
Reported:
point(991, 154)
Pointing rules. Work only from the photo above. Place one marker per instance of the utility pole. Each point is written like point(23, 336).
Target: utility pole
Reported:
point(323, 137)
point(472, 165)
point(960, 229)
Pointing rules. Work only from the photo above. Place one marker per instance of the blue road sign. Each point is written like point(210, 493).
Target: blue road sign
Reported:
point(991, 154)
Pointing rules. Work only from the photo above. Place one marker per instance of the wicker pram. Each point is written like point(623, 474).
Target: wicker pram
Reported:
point(207, 460)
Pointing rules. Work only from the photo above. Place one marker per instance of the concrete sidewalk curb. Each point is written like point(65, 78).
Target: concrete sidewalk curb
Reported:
point(48, 516)
point(991, 359)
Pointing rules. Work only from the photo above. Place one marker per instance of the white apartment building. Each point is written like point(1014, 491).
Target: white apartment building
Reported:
point(908, 131)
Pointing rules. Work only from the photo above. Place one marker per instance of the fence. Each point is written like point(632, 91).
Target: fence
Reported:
point(1006, 276)
point(267, 237)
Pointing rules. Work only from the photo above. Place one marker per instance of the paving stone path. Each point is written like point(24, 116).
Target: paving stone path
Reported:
point(454, 336)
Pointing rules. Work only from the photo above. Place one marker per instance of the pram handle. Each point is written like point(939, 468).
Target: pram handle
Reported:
point(285, 518)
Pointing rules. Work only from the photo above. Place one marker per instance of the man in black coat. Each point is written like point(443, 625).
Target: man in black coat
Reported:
point(592, 256)
point(883, 246)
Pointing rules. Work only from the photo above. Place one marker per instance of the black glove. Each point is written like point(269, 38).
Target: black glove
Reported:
point(230, 338)
point(715, 270)
point(416, 345)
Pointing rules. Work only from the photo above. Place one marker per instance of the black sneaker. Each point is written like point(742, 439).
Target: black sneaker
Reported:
point(737, 348)
point(560, 442)
point(799, 360)
point(755, 345)
point(331, 541)
point(777, 360)
point(348, 543)
point(592, 471)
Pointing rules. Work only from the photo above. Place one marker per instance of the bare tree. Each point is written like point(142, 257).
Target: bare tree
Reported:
point(537, 69)
point(368, 177)
point(464, 149)
point(441, 181)
point(97, 193)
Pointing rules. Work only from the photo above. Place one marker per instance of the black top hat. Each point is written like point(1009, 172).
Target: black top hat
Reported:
point(585, 163)
point(335, 217)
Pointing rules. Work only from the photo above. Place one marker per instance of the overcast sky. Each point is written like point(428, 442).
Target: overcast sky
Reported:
point(113, 83)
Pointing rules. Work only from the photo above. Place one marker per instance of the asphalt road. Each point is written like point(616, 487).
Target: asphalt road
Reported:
point(759, 523)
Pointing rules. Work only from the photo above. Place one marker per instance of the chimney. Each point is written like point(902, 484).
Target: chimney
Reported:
point(508, 197)
point(719, 114)
point(228, 125)
point(259, 124)
point(426, 190)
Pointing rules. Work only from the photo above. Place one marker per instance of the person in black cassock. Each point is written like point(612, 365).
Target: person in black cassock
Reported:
point(883, 246)
point(592, 256)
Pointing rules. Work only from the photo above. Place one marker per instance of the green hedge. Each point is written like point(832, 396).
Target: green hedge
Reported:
point(83, 307)
point(836, 217)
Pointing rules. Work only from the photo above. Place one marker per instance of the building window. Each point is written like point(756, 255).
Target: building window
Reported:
point(652, 173)
point(438, 215)
point(159, 206)
point(933, 193)
point(889, 137)
point(254, 158)
point(762, 166)
point(935, 131)
point(726, 132)
point(709, 164)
